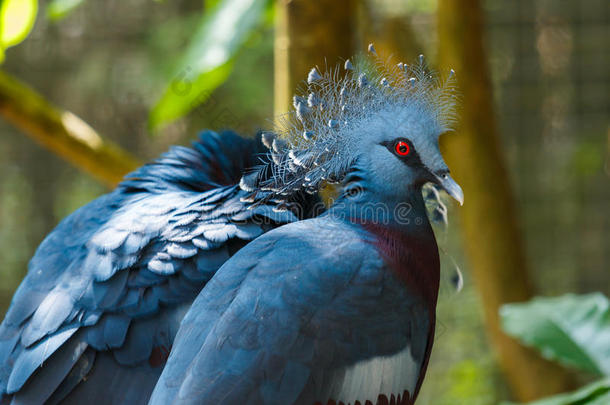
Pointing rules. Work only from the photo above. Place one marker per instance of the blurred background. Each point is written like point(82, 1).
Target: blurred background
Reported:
point(532, 150)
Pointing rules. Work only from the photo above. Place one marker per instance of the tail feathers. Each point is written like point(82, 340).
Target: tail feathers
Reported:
point(215, 160)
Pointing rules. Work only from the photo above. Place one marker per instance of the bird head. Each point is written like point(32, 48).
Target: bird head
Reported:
point(379, 119)
point(398, 152)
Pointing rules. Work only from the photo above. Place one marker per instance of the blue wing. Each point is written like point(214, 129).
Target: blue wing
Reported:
point(303, 314)
point(106, 290)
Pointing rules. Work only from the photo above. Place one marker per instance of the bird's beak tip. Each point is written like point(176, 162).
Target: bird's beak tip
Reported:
point(458, 196)
point(451, 187)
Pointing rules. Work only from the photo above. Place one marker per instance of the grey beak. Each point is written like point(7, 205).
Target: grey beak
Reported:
point(451, 187)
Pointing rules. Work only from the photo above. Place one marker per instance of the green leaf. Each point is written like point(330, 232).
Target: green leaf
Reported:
point(58, 9)
point(208, 59)
point(17, 18)
point(597, 393)
point(572, 329)
point(184, 94)
point(210, 4)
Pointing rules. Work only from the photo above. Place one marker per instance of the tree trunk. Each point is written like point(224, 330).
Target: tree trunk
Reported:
point(393, 35)
point(490, 223)
point(63, 132)
point(307, 33)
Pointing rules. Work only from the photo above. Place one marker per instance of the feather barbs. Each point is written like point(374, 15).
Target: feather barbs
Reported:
point(335, 110)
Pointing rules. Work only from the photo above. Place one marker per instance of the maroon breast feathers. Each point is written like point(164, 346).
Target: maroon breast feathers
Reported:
point(413, 258)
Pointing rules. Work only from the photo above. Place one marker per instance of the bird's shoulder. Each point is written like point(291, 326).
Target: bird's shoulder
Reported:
point(318, 247)
point(326, 234)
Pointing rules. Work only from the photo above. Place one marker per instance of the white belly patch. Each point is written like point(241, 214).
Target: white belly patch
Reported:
point(366, 380)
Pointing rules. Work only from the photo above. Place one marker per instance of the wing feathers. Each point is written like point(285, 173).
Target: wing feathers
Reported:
point(49, 316)
point(138, 344)
point(46, 378)
point(79, 371)
point(182, 250)
point(106, 268)
point(107, 293)
point(109, 332)
point(32, 358)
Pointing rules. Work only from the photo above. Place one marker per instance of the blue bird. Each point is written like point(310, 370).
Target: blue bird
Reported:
point(337, 309)
point(95, 317)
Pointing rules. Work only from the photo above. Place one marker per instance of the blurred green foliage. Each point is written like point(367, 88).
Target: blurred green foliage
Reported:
point(17, 18)
point(587, 159)
point(77, 191)
point(466, 382)
point(571, 329)
point(205, 63)
point(597, 393)
point(208, 59)
point(16, 205)
point(58, 9)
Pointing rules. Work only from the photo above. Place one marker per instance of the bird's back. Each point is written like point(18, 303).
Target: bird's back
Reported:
point(105, 292)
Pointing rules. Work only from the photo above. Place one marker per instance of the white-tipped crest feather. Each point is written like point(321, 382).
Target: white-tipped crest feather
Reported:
point(329, 115)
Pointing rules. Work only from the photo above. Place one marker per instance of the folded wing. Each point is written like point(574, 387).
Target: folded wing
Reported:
point(106, 290)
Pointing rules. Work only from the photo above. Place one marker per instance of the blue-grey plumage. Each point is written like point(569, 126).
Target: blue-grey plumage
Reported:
point(340, 308)
point(309, 312)
point(95, 317)
point(337, 308)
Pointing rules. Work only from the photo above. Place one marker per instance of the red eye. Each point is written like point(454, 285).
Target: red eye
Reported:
point(402, 148)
